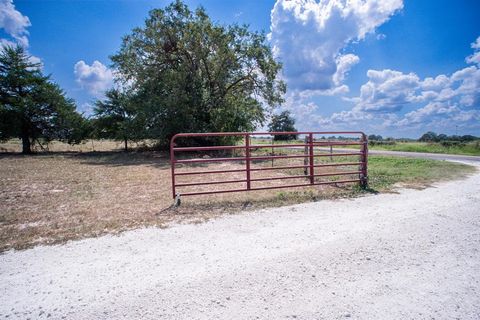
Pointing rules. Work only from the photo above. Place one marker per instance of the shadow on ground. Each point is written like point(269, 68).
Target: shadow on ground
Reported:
point(106, 158)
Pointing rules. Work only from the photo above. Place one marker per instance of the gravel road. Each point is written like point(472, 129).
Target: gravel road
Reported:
point(411, 255)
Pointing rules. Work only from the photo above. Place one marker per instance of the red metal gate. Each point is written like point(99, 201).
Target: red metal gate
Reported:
point(309, 147)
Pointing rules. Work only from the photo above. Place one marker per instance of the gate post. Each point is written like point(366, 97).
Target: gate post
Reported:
point(247, 158)
point(172, 165)
point(310, 138)
point(364, 160)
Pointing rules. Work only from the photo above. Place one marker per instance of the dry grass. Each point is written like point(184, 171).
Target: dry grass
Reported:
point(54, 197)
point(15, 146)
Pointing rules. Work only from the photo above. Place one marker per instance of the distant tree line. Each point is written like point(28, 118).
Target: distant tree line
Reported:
point(433, 137)
point(428, 137)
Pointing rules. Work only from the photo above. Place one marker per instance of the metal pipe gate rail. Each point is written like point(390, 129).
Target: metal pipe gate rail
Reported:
point(309, 163)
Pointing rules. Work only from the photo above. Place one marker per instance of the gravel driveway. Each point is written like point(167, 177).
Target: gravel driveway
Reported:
point(411, 255)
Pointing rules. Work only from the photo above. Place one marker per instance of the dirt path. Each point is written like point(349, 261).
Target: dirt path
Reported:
point(412, 255)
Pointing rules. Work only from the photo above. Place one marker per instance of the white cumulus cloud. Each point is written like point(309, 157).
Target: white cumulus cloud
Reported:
point(95, 78)
point(476, 44)
point(309, 37)
point(437, 101)
point(13, 22)
point(426, 113)
point(387, 90)
point(344, 64)
point(15, 25)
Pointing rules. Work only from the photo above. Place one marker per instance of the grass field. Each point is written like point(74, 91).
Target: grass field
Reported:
point(54, 197)
point(469, 148)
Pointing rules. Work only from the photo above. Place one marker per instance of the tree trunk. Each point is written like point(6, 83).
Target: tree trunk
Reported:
point(126, 144)
point(26, 145)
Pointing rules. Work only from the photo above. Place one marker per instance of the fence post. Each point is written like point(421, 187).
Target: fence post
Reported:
point(172, 165)
point(247, 156)
point(310, 138)
point(364, 160)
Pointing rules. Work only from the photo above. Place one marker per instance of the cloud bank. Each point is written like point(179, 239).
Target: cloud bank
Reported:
point(309, 37)
point(14, 23)
point(436, 101)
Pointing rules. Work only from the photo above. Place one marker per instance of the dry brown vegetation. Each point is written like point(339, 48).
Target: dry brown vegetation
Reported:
point(52, 197)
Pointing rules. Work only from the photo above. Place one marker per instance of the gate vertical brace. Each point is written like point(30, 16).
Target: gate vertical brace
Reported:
point(364, 161)
point(312, 177)
point(273, 149)
point(172, 165)
point(305, 159)
point(247, 158)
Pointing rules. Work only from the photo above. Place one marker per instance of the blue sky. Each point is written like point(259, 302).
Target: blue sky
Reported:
point(391, 67)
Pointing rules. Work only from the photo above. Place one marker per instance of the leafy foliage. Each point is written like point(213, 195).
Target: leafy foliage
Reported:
point(31, 106)
point(433, 137)
point(283, 122)
point(117, 118)
point(188, 74)
point(374, 137)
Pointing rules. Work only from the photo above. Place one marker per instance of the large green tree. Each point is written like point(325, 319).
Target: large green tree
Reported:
point(283, 122)
point(429, 137)
point(189, 74)
point(31, 106)
point(117, 117)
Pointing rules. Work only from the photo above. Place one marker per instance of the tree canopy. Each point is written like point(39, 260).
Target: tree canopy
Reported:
point(116, 117)
point(374, 137)
point(188, 74)
point(283, 122)
point(31, 106)
point(433, 137)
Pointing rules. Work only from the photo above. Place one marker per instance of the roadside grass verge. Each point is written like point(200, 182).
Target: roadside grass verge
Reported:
point(50, 198)
point(386, 172)
point(470, 148)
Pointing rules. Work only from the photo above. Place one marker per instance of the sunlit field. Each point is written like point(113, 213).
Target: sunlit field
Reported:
point(73, 193)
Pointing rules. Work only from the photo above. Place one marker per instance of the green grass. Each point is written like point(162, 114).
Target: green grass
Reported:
point(384, 171)
point(386, 174)
point(471, 148)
